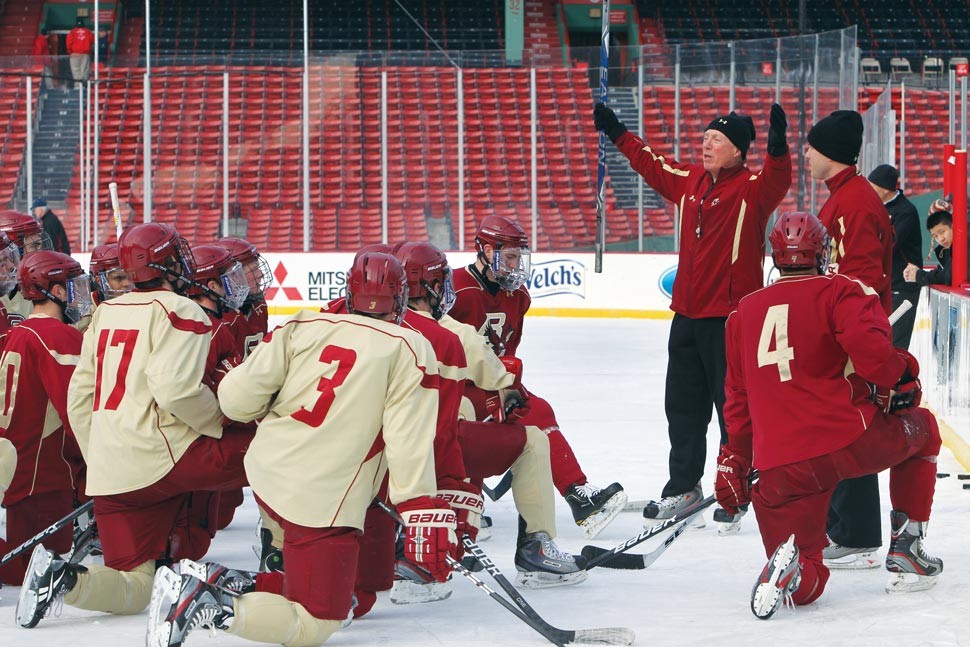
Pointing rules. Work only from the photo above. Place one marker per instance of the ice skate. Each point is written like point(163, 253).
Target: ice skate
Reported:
point(270, 557)
point(48, 578)
point(485, 531)
point(670, 506)
point(779, 580)
point(86, 539)
point(838, 557)
point(910, 568)
point(230, 579)
point(541, 564)
point(414, 585)
point(728, 524)
point(594, 508)
point(181, 604)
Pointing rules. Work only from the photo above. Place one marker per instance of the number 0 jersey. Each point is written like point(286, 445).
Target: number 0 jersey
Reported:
point(799, 354)
point(136, 401)
point(343, 400)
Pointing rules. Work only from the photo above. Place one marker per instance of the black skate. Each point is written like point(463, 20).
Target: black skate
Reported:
point(729, 524)
point(779, 580)
point(217, 575)
point(270, 557)
point(594, 508)
point(670, 506)
point(910, 568)
point(48, 578)
point(181, 604)
point(414, 585)
point(541, 564)
point(86, 538)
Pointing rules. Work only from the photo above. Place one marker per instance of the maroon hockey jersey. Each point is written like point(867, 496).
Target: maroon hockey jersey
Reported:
point(799, 355)
point(36, 365)
point(496, 314)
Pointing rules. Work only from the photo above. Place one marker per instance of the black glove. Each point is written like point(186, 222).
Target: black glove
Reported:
point(777, 125)
point(605, 120)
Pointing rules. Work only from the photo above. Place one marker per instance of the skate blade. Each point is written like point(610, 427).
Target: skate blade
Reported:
point(594, 524)
point(409, 592)
point(855, 562)
point(543, 580)
point(766, 596)
point(910, 582)
point(193, 568)
point(40, 561)
point(165, 593)
point(729, 528)
point(484, 534)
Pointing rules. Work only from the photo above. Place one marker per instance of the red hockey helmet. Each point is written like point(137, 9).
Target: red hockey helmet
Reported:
point(510, 260)
point(376, 248)
point(799, 242)
point(108, 278)
point(427, 273)
point(215, 263)
point(42, 270)
point(24, 231)
point(376, 286)
point(153, 250)
point(254, 265)
point(9, 264)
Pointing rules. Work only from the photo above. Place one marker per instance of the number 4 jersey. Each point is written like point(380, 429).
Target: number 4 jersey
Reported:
point(799, 354)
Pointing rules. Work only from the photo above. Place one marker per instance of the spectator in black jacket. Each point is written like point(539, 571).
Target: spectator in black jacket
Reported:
point(940, 226)
point(52, 226)
point(907, 246)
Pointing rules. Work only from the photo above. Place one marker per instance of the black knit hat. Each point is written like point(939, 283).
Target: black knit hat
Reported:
point(739, 129)
point(838, 136)
point(885, 176)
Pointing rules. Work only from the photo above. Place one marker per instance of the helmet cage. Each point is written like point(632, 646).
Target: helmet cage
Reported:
point(511, 266)
point(9, 263)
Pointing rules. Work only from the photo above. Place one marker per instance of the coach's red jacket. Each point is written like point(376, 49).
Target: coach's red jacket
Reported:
point(722, 225)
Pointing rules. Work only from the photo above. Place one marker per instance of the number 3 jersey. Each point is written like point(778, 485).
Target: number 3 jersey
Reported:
point(137, 401)
point(37, 453)
point(799, 354)
point(343, 399)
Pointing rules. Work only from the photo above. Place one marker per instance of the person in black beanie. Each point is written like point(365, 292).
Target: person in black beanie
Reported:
point(724, 210)
point(862, 247)
point(907, 246)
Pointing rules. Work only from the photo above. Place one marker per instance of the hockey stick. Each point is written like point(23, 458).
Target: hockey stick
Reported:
point(47, 532)
point(600, 636)
point(616, 557)
point(601, 156)
point(500, 489)
point(115, 207)
point(522, 609)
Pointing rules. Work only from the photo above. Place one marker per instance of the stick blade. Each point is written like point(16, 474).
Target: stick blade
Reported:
point(603, 636)
point(625, 561)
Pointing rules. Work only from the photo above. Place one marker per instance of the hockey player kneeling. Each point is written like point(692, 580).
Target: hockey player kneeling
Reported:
point(343, 399)
point(816, 341)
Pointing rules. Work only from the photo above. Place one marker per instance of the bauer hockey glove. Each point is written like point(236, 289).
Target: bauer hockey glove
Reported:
point(777, 127)
point(908, 392)
point(466, 500)
point(732, 485)
point(429, 534)
point(605, 119)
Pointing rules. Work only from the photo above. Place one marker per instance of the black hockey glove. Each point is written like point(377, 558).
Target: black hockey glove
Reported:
point(777, 126)
point(605, 120)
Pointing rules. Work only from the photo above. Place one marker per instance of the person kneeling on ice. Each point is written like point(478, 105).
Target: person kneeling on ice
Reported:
point(343, 400)
point(797, 350)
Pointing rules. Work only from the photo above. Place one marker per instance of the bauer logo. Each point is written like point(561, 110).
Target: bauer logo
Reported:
point(666, 282)
point(559, 276)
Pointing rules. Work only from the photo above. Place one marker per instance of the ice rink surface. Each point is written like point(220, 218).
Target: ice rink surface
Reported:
point(605, 379)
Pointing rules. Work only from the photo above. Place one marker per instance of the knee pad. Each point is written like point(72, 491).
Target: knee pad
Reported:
point(489, 448)
point(922, 431)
